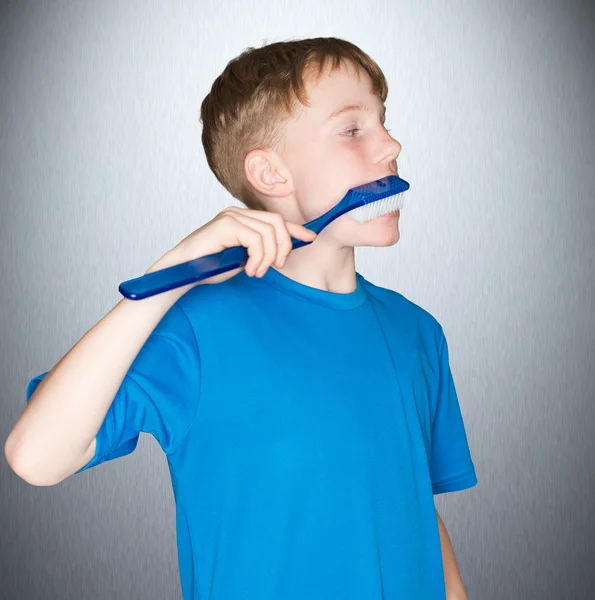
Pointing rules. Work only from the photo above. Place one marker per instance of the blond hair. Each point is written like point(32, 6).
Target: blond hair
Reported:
point(253, 98)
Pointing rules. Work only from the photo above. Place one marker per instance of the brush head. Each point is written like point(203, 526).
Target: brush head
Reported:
point(379, 208)
point(376, 198)
point(364, 202)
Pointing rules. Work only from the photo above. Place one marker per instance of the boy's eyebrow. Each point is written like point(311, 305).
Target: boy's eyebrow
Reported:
point(349, 107)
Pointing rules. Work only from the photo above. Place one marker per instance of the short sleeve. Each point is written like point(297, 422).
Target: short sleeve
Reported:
point(451, 467)
point(159, 393)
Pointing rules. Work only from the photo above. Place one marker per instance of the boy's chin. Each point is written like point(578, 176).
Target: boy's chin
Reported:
point(379, 239)
point(383, 241)
point(383, 231)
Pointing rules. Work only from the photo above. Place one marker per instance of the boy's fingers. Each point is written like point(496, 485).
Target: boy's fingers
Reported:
point(265, 250)
point(274, 219)
point(300, 231)
point(276, 236)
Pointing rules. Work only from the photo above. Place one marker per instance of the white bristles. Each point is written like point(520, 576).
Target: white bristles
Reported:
point(377, 209)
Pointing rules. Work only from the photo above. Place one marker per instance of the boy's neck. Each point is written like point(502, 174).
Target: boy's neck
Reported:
point(330, 271)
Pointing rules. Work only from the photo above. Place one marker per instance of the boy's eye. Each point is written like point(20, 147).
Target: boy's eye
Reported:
point(350, 130)
point(355, 129)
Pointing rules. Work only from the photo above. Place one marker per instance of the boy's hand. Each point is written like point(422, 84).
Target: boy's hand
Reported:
point(266, 235)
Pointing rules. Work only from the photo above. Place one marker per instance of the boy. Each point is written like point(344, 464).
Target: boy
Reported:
point(308, 416)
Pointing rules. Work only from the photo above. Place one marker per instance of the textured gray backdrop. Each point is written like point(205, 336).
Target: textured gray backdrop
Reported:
point(102, 171)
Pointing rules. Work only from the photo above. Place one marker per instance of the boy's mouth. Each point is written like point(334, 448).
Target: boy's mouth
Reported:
point(391, 215)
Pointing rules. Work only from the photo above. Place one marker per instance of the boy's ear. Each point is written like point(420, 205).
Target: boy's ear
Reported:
point(266, 173)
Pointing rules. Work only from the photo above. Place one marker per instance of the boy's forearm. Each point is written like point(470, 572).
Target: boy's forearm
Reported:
point(455, 590)
point(68, 407)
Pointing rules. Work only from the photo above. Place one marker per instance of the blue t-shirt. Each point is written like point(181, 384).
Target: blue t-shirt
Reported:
point(306, 433)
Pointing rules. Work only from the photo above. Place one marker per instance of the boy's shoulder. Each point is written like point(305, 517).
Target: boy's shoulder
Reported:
point(402, 306)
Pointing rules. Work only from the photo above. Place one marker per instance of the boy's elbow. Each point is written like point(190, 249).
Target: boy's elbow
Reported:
point(26, 474)
point(36, 479)
point(37, 482)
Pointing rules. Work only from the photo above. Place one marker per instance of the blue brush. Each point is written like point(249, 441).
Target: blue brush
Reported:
point(362, 200)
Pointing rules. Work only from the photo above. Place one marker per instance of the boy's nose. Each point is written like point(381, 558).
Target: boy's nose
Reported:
point(389, 154)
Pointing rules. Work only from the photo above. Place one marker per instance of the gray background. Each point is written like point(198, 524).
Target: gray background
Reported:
point(102, 171)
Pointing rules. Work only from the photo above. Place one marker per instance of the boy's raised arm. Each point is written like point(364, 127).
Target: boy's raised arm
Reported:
point(53, 438)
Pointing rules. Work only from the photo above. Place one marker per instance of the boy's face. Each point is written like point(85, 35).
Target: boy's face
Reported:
point(323, 157)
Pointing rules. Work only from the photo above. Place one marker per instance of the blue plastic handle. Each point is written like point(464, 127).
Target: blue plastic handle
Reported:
point(179, 275)
point(204, 267)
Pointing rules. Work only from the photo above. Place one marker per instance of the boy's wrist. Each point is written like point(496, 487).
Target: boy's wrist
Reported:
point(169, 259)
